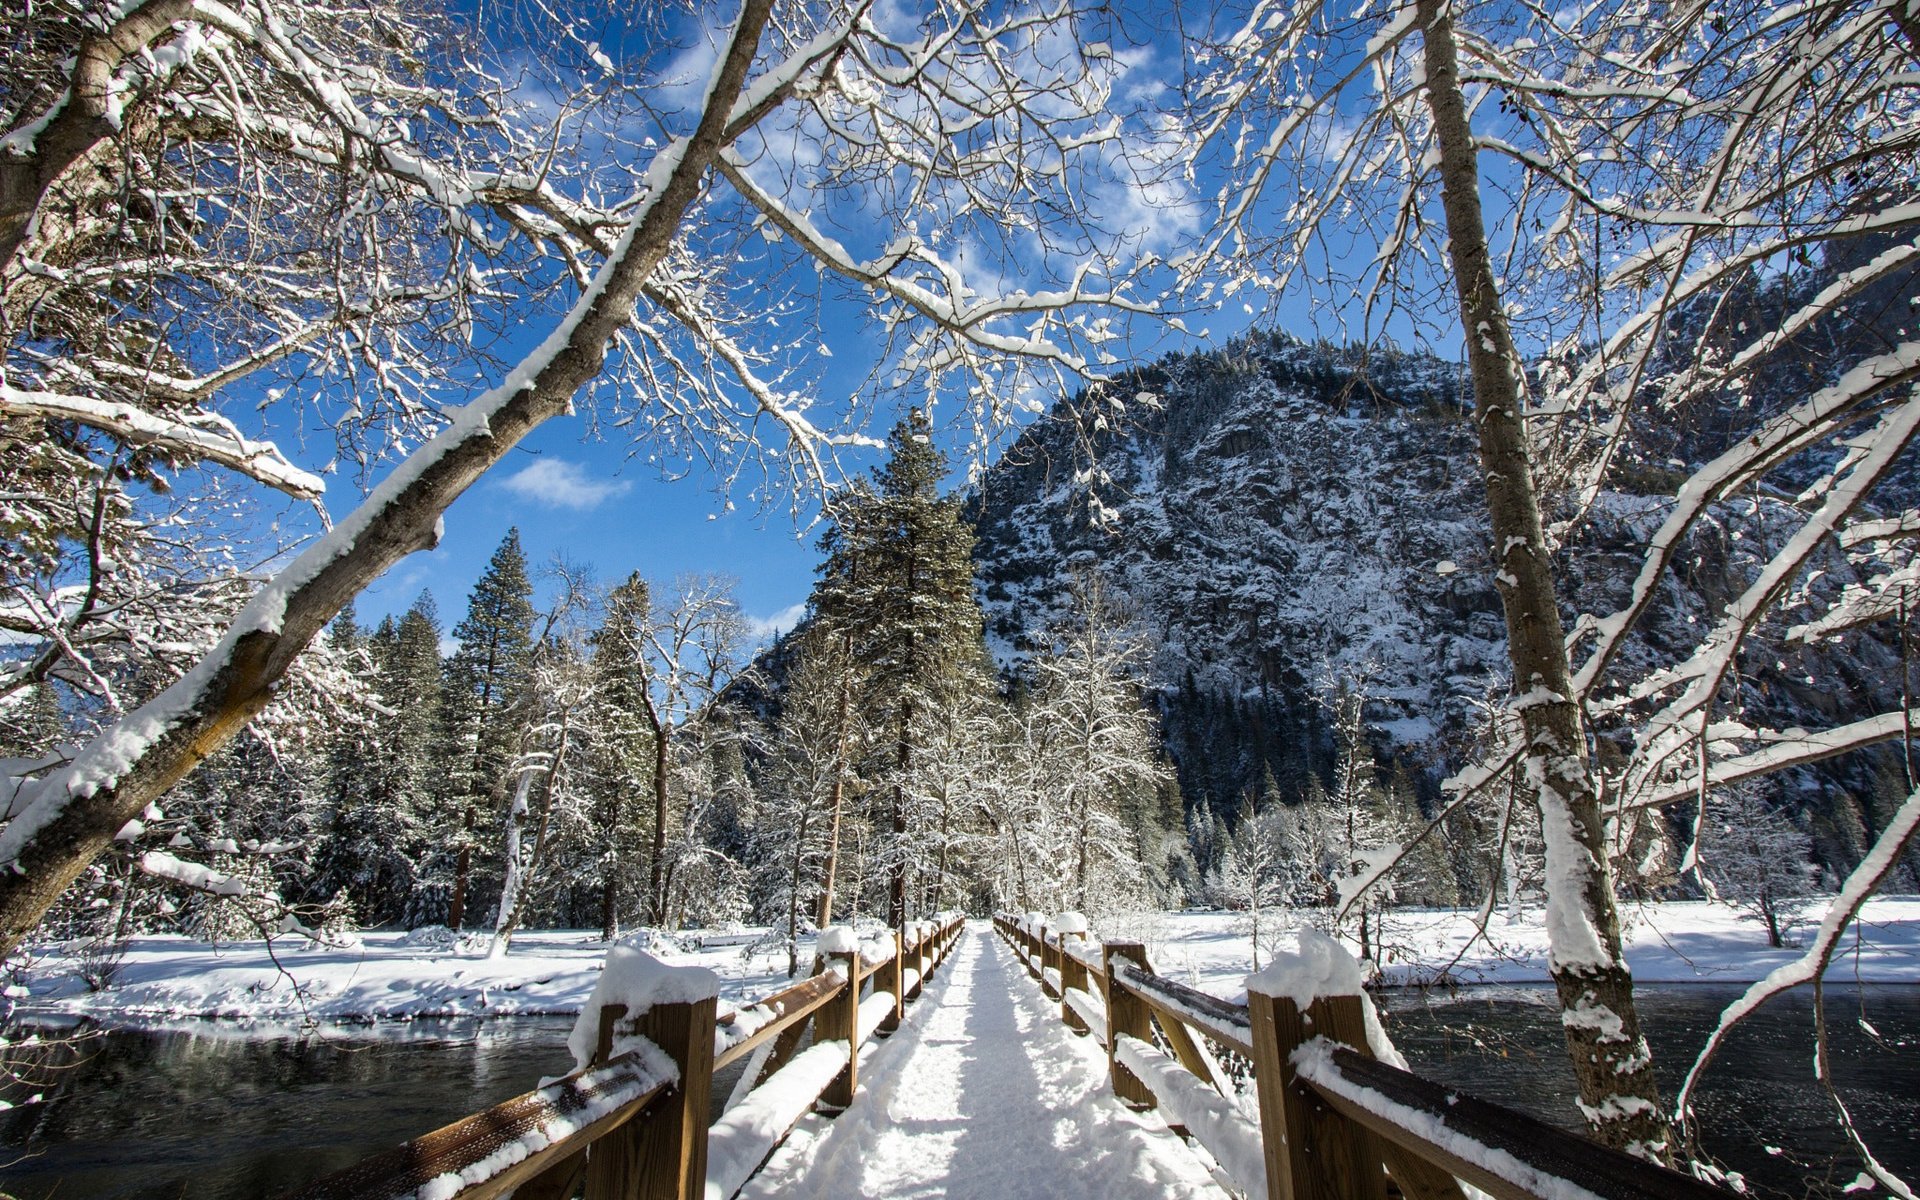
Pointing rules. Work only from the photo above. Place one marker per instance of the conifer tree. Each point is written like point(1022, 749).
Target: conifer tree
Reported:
point(383, 776)
point(899, 584)
point(483, 678)
point(620, 740)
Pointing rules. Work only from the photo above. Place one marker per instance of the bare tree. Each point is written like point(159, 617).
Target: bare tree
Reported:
point(1285, 83)
point(666, 278)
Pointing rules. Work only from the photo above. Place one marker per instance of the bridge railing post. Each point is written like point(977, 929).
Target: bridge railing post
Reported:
point(1073, 974)
point(662, 1156)
point(1128, 1016)
point(839, 1020)
point(892, 975)
point(1312, 1152)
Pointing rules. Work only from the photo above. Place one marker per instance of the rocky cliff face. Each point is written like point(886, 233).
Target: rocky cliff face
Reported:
point(1280, 513)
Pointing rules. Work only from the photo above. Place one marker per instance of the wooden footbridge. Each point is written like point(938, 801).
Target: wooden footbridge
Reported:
point(986, 1087)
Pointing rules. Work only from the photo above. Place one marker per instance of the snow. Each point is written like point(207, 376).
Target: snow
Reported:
point(838, 939)
point(394, 975)
point(1092, 1011)
point(1314, 1061)
point(391, 976)
point(1322, 967)
point(162, 865)
point(1069, 922)
point(741, 1139)
point(605, 1090)
point(1692, 941)
point(638, 981)
point(873, 1010)
point(983, 1093)
point(1213, 1120)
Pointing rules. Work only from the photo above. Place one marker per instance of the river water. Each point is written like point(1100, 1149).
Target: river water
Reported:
point(187, 1112)
point(1760, 1093)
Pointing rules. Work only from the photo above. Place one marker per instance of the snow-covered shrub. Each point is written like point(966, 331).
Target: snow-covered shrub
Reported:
point(98, 961)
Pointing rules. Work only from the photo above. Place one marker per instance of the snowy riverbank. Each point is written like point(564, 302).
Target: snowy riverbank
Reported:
point(385, 977)
point(397, 976)
point(1672, 942)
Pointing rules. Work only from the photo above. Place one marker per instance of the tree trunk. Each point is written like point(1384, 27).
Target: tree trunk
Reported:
point(823, 914)
point(897, 870)
point(70, 817)
point(656, 872)
point(610, 874)
point(1611, 1060)
point(793, 896)
point(462, 868)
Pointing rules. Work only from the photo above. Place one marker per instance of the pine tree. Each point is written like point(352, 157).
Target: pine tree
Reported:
point(899, 584)
point(620, 740)
point(483, 678)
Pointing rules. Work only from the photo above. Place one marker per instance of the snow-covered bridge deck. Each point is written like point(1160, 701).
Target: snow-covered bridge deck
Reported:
point(983, 1093)
point(969, 1082)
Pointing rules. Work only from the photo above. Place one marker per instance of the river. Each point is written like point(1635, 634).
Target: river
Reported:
point(200, 1112)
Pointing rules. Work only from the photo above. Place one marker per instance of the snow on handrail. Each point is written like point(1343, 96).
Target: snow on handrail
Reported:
point(1091, 1011)
point(738, 1034)
point(507, 1144)
point(1222, 1020)
point(1488, 1145)
point(1210, 1117)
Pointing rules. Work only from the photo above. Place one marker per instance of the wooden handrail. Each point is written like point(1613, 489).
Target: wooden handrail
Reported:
point(618, 1092)
point(791, 1005)
point(1222, 1021)
point(1513, 1155)
point(616, 1128)
point(1360, 1111)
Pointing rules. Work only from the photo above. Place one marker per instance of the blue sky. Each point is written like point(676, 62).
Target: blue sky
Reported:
point(586, 499)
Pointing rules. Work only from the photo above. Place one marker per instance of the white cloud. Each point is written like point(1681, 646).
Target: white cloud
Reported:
point(563, 484)
point(768, 628)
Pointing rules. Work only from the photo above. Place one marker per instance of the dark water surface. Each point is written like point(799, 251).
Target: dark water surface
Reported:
point(157, 1115)
point(1505, 1045)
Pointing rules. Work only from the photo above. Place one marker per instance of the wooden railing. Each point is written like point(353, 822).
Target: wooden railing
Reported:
point(1334, 1122)
point(634, 1124)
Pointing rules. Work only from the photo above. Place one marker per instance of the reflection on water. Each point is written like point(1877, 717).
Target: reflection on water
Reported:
point(193, 1113)
point(1504, 1045)
point(197, 1112)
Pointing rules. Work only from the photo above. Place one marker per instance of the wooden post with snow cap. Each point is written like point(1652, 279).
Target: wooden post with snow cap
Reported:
point(1128, 1016)
point(664, 1156)
point(1073, 973)
point(1312, 1152)
point(839, 1018)
point(891, 978)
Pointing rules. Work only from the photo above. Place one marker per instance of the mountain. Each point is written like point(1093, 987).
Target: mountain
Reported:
point(1281, 514)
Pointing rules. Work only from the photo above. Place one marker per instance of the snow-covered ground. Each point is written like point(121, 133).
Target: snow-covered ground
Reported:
point(1673, 942)
point(394, 976)
point(388, 976)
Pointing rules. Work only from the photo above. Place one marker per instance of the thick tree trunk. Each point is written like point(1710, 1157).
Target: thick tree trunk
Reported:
point(71, 817)
point(1611, 1061)
point(462, 868)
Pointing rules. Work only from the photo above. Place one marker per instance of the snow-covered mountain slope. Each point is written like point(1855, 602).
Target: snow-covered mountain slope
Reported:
point(1272, 520)
point(1279, 512)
